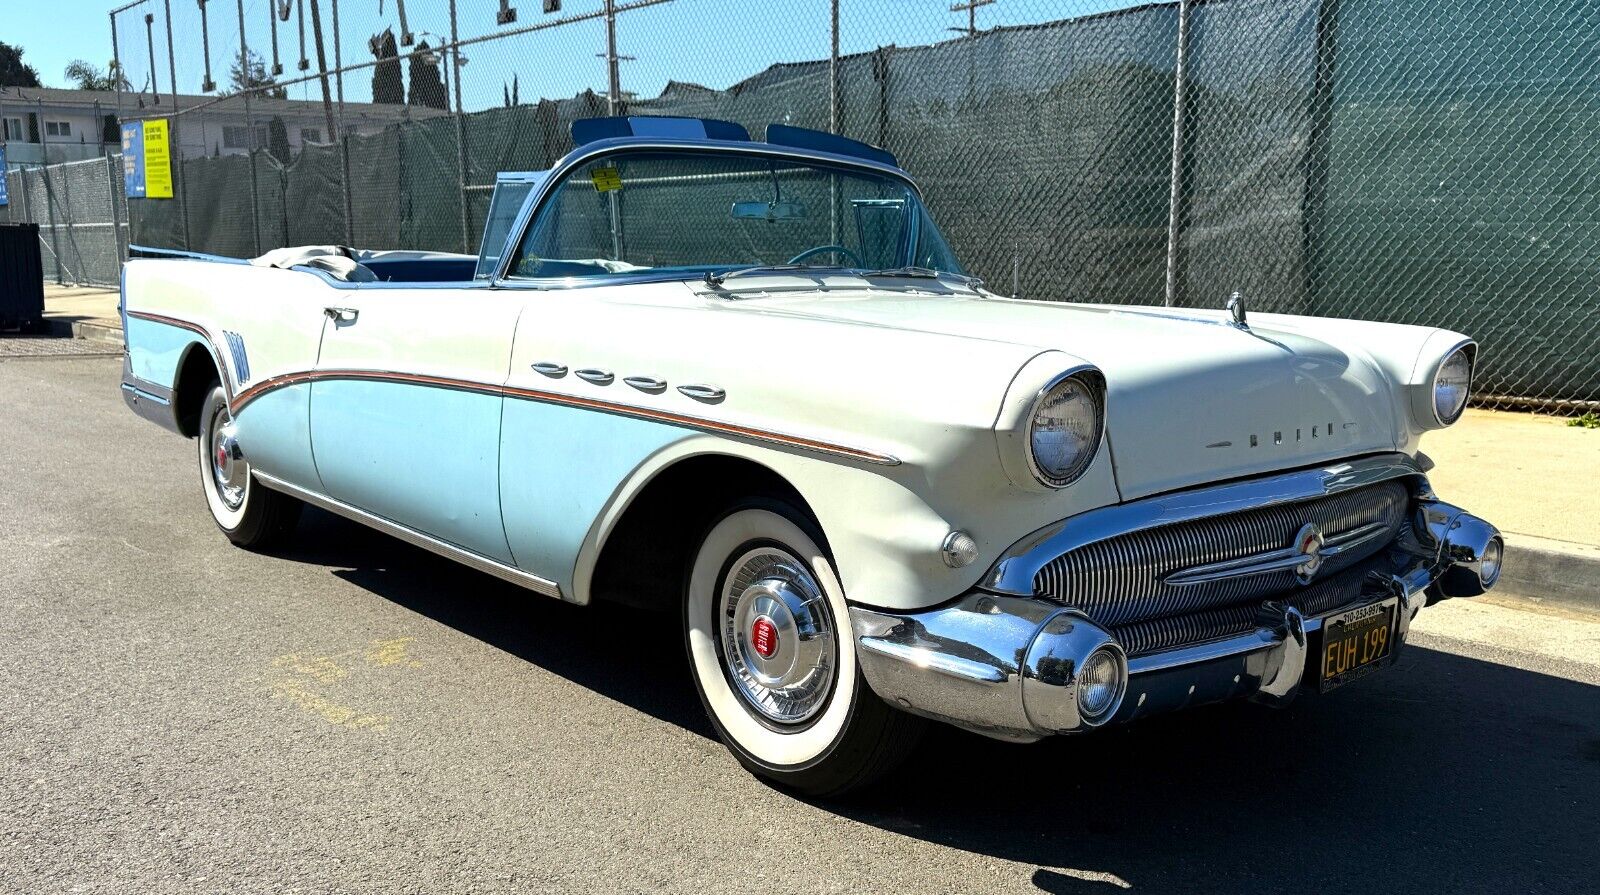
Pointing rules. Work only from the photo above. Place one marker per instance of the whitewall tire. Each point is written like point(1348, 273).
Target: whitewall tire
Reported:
point(248, 513)
point(773, 658)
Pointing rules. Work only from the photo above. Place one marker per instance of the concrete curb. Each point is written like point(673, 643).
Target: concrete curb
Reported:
point(1551, 573)
point(83, 329)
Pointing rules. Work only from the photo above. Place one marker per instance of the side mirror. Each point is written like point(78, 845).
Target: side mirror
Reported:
point(756, 210)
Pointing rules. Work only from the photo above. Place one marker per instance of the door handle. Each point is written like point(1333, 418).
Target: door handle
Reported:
point(342, 315)
point(553, 370)
point(598, 377)
point(708, 393)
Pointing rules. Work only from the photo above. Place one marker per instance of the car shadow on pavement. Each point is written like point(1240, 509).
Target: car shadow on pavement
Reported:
point(1445, 773)
point(559, 637)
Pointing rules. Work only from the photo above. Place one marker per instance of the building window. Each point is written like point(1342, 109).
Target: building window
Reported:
point(237, 136)
point(310, 135)
point(58, 128)
point(14, 131)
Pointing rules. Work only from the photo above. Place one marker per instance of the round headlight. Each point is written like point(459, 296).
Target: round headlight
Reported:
point(1489, 563)
point(1064, 432)
point(1099, 684)
point(1451, 386)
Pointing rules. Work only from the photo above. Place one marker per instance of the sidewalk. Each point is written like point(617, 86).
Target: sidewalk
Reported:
point(1538, 480)
point(1534, 477)
point(85, 312)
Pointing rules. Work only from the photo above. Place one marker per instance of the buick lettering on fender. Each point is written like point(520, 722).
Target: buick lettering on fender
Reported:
point(749, 382)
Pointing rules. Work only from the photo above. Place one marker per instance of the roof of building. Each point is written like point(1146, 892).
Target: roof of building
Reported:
point(106, 100)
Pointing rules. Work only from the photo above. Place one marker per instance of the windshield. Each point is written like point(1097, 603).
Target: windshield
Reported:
point(696, 213)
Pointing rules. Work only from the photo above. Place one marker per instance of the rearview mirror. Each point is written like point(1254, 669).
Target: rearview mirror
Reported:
point(756, 210)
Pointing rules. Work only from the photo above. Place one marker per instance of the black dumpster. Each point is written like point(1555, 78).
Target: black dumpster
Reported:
point(21, 278)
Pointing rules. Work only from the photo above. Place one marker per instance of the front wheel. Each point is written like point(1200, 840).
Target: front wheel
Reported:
point(250, 515)
point(774, 661)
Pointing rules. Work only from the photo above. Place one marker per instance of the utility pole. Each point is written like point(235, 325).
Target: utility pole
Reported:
point(613, 74)
point(970, 7)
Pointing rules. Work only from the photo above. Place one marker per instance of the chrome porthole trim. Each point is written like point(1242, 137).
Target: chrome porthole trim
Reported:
point(778, 638)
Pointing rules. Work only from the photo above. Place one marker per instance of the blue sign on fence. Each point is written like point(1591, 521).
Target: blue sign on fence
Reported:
point(133, 159)
point(3, 198)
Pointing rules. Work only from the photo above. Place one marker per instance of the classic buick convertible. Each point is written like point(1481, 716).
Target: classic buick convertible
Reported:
point(748, 382)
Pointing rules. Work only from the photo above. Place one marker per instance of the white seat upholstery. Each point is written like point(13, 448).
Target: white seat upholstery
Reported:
point(336, 261)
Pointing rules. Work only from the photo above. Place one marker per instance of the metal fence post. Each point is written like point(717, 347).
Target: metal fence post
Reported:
point(175, 153)
point(22, 190)
point(1313, 211)
point(833, 73)
point(116, 65)
point(344, 141)
point(116, 219)
point(461, 133)
point(50, 215)
point(1179, 114)
point(250, 122)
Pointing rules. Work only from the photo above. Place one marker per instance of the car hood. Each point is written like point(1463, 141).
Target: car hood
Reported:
point(1190, 398)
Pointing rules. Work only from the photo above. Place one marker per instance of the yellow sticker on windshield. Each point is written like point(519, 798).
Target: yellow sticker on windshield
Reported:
point(606, 179)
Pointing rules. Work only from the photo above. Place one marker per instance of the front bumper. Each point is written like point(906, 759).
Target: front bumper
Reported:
point(1007, 666)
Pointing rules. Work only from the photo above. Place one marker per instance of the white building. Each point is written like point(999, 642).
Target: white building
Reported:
point(48, 125)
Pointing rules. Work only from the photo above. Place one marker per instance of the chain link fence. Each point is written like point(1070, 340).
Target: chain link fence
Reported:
point(82, 217)
point(1412, 161)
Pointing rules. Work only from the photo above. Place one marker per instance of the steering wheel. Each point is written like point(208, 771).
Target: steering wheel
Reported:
point(822, 250)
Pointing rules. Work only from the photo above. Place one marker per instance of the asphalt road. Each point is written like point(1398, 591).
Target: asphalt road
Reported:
point(177, 715)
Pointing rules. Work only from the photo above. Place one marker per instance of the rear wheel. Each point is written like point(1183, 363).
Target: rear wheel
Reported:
point(250, 515)
point(769, 641)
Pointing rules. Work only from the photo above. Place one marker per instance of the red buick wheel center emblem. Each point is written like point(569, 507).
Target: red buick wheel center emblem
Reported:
point(764, 637)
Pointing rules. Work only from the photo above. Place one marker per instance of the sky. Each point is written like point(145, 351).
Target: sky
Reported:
point(711, 42)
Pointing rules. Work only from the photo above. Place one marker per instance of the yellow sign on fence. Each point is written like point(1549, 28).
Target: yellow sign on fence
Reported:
point(157, 160)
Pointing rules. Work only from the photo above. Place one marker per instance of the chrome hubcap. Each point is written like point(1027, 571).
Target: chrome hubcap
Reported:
point(777, 636)
point(229, 471)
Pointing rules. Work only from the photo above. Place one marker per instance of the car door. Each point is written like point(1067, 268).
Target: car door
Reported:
point(406, 406)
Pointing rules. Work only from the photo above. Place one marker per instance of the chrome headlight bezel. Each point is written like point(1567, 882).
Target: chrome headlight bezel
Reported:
point(1093, 384)
point(1468, 351)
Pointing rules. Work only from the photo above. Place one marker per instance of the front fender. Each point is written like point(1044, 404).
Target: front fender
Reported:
point(885, 538)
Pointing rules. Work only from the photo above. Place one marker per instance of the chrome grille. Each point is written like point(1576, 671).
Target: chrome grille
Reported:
point(1155, 635)
point(1119, 580)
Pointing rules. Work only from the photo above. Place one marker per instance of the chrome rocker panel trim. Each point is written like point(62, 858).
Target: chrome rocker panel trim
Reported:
point(1013, 574)
point(412, 536)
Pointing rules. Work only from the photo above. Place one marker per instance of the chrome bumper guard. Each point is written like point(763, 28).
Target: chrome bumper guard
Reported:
point(1006, 666)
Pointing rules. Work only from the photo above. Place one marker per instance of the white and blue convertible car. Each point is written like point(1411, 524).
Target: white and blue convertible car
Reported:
point(749, 382)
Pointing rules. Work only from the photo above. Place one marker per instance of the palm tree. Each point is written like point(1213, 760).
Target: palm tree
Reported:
point(90, 77)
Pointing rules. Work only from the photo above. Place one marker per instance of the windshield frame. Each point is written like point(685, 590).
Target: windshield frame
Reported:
point(590, 152)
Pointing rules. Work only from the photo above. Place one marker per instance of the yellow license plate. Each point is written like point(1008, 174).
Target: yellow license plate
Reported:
point(1355, 643)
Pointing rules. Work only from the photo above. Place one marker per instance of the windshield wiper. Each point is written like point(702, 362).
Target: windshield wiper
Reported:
point(924, 273)
point(714, 278)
